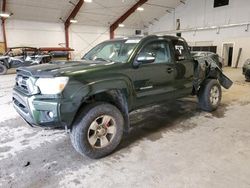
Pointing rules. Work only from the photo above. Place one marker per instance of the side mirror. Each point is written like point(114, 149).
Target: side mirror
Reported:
point(143, 60)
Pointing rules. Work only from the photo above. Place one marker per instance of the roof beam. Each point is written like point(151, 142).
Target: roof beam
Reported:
point(3, 26)
point(71, 16)
point(115, 25)
point(56, 49)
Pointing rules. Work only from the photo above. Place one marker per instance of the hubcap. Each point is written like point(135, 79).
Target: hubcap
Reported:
point(101, 131)
point(214, 95)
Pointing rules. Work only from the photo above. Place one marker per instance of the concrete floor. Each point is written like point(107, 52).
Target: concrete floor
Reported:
point(172, 145)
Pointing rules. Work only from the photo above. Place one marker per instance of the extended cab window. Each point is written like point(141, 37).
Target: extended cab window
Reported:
point(159, 50)
point(181, 51)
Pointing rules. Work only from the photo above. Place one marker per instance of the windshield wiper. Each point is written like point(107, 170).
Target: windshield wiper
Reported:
point(101, 59)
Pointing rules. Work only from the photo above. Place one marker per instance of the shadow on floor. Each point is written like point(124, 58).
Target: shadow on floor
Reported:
point(152, 122)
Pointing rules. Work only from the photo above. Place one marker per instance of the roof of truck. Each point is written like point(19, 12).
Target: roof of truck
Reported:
point(145, 37)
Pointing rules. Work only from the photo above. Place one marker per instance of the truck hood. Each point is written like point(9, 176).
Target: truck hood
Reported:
point(62, 68)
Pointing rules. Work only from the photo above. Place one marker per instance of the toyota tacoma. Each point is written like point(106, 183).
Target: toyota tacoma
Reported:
point(92, 98)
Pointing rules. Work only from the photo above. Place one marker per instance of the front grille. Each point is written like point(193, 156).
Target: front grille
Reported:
point(21, 83)
point(22, 80)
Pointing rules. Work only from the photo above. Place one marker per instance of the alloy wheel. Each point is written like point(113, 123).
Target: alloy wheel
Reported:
point(102, 131)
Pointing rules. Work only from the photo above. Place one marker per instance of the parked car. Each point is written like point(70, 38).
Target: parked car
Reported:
point(219, 60)
point(22, 57)
point(246, 70)
point(92, 98)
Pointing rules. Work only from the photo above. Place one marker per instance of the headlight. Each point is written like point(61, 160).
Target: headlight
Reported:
point(52, 85)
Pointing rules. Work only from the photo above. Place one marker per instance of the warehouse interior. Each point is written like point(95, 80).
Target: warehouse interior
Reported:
point(168, 145)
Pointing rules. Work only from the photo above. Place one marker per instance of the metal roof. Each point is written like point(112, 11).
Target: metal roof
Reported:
point(97, 13)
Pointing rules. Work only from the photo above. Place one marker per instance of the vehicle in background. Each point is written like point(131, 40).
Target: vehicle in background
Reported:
point(22, 57)
point(57, 53)
point(60, 54)
point(246, 70)
point(219, 60)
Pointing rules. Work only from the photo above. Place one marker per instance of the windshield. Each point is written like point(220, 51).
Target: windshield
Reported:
point(112, 51)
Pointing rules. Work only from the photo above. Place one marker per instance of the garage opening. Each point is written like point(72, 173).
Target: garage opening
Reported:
point(228, 54)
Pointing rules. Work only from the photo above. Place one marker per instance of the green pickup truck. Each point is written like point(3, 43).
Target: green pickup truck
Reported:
point(92, 98)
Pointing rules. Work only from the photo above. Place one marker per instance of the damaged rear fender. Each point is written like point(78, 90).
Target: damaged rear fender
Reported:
point(206, 68)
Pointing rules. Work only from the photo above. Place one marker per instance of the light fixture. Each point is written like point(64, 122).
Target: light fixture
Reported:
point(121, 25)
point(247, 27)
point(73, 21)
point(140, 9)
point(5, 14)
point(218, 30)
point(88, 1)
point(72, 3)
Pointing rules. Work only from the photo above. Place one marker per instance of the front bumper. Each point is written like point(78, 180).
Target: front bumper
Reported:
point(38, 111)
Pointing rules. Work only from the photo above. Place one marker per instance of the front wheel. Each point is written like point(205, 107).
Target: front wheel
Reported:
point(210, 95)
point(97, 130)
point(3, 69)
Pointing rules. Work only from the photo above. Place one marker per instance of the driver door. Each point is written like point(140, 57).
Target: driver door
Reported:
point(154, 81)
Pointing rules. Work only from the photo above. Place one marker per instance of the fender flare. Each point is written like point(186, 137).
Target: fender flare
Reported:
point(119, 90)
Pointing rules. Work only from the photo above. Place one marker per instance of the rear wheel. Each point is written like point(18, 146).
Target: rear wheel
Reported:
point(3, 69)
point(210, 95)
point(97, 130)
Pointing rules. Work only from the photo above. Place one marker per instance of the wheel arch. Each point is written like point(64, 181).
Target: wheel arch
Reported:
point(116, 97)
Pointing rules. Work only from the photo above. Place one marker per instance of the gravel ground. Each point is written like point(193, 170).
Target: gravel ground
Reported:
point(171, 145)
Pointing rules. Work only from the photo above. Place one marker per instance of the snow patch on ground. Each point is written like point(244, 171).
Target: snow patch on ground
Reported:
point(14, 140)
point(7, 110)
point(16, 136)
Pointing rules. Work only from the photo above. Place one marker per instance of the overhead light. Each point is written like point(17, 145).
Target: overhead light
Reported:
point(121, 25)
point(73, 21)
point(5, 15)
point(88, 1)
point(183, 2)
point(247, 27)
point(218, 30)
point(140, 9)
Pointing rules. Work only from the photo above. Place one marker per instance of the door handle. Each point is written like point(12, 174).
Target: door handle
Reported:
point(169, 70)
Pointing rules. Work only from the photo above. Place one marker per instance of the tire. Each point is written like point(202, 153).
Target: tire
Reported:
point(3, 69)
point(97, 130)
point(210, 95)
